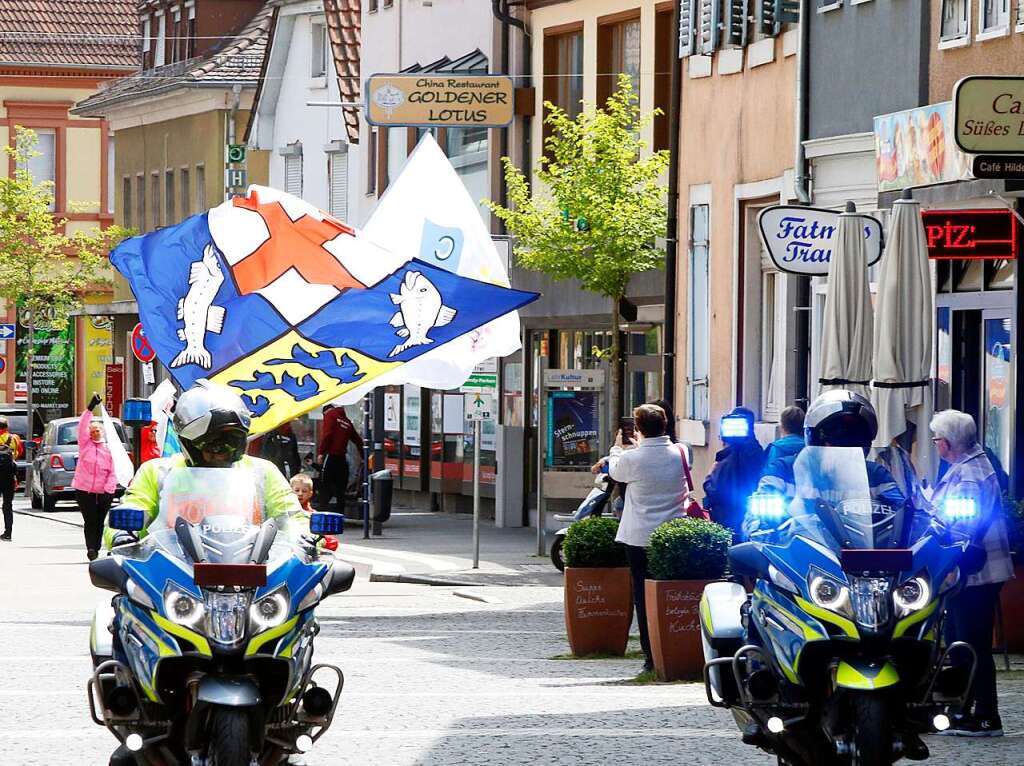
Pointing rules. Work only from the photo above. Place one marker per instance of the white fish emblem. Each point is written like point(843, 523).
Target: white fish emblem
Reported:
point(196, 309)
point(419, 310)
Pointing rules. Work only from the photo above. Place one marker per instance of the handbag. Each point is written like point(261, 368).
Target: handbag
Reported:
point(691, 507)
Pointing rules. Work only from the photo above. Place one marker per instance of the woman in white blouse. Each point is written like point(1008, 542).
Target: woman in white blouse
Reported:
point(655, 493)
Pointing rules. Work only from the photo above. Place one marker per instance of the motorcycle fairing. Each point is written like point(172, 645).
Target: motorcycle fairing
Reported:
point(865, 676)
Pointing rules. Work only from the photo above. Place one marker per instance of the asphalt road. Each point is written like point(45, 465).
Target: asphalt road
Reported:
point(432, 677)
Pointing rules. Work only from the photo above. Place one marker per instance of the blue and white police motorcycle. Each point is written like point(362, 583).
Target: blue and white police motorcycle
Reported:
point(836, 655)
point(205, 656)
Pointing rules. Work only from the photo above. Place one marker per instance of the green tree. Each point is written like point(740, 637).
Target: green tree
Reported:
point(599, 208)
point(43, 269)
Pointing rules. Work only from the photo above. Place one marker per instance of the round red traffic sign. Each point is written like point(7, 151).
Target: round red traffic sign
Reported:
point(3, 364)
point(140, 345)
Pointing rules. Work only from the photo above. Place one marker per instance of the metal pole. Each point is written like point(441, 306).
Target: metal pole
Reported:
point(367, 445)
point(541, 446)
point(476, 494)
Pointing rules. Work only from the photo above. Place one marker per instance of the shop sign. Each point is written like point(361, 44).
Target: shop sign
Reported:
point(53, 364)
point(440, 100)
point(113, 391)
point(916, 147)
point(480, 407)
point(800, 239)
point(998, 166)
point(989, 114)
point(971, 234)
point(486, 382)
point(574, 378)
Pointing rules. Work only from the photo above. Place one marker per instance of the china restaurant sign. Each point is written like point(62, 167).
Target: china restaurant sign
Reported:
point(801, 240)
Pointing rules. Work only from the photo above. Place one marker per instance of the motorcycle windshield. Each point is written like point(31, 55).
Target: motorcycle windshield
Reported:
point(223, 505)
point(833, 503)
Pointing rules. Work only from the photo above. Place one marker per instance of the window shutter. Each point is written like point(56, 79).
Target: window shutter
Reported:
point(337, 168)
point(736, 22)
point(293, 174)
point(709, 20)
point(686, 28)
point(767, 23)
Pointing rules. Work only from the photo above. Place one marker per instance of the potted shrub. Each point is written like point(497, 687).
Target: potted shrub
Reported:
point(598, 595)
point(683, 556)
point(1011, 597)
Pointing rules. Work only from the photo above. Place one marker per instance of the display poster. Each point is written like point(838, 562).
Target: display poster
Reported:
point(916, 147)
point(412, 416)
point(53, 366)
point(95, 352)
point(392, 410)
point(572, 428)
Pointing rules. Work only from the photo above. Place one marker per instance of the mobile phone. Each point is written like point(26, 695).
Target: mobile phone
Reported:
point(628, 426)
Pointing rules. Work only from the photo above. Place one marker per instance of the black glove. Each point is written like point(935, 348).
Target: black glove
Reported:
point(308, 543)
point(94, 402)
point(121, 537)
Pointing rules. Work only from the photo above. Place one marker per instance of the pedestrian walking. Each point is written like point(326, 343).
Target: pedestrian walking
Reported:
point(10, 450)
point(736, 472)
point(656, 492)
point(971, 614)
point(95, 481)
point(791, 424)
point(338, 432)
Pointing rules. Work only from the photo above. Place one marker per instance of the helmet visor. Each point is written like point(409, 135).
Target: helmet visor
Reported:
point(225, 444)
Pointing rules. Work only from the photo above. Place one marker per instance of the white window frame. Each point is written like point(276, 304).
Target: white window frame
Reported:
point(337, 163)
point(200, 185)
point(962, 36)
point(190, 6)
point(161, 40)
point(1001, 28)
point(146, 31)
point(317, 70)
point(111, 180)
point(35, 163)
point(697, 409)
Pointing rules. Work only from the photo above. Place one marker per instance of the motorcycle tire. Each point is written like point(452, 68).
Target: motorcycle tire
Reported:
point(872, 731)
point(229, 738)
point(556, 554)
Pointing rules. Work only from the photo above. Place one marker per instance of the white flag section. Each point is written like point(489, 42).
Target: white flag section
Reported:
point(123, 468)
point(427, 213)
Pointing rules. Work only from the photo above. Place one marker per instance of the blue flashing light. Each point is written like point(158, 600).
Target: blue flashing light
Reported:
point(136, 412)
point(735, 427)
point(960, 508)
point(767, 505)
point(130, 519)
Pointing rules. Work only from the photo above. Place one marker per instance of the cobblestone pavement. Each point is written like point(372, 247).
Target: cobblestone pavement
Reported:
point(432, 677)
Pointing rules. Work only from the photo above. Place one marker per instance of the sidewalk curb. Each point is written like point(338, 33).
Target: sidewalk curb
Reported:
point(414, 579)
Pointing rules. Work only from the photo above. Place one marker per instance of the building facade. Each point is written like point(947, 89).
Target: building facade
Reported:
point(44, 71)
point(172, 123)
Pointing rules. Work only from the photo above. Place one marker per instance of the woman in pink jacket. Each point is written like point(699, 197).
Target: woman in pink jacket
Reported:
point(94, 482)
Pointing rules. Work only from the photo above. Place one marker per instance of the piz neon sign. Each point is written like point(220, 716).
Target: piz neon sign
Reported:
point(971, 234)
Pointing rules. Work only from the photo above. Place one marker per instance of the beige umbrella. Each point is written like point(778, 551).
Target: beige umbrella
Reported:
point(904, 329)
point(847, 334)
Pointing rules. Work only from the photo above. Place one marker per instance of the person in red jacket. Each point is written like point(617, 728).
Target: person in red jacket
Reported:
point(338, 431)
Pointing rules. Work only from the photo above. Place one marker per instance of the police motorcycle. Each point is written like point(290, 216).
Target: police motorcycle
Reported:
point(205, 655)
point(835, 657)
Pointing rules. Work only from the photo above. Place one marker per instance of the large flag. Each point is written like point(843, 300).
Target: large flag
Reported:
point(294, 309)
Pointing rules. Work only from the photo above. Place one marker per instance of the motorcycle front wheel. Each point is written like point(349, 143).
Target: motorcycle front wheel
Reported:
point(229, 738)
point(872, 731)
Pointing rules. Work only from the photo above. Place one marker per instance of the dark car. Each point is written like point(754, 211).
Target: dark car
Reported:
point(53, 467)
point(17, 423)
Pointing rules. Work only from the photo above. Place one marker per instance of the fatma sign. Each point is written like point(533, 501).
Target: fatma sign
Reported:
point(800, 239)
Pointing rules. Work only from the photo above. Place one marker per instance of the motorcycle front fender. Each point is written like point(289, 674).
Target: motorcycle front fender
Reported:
point(862, 676)
point(228, 691)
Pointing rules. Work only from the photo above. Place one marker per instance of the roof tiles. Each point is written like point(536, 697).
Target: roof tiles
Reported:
point(343, 29)
point(70, 33)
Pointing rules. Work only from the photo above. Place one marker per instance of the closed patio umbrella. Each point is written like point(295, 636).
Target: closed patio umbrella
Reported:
point(847, 334)
point(904, 329)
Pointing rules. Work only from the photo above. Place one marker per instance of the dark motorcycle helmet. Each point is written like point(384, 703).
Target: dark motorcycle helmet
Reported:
point(214, 418)
point(841, 418)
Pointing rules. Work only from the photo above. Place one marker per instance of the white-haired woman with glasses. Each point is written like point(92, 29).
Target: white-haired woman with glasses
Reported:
point(971, 614)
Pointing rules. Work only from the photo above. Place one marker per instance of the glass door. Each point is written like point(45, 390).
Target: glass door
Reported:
point(998, 388)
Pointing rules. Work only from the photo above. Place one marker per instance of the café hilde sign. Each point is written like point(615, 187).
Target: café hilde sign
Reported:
point(440, 100)
point(800, 240)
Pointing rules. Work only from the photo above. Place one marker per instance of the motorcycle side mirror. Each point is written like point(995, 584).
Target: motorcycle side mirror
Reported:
point(107, 573)
point(342, 577)
point(748, 559)
point(264, 542)
point(323, 523)
point(127, 519)
point(973, 560)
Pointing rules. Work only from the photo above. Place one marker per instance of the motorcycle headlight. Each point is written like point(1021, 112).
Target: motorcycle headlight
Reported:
point(226, 615)
point(912, 595)
point(182, 608)
point(269, 611)
point(829, 593)
point(870, 598)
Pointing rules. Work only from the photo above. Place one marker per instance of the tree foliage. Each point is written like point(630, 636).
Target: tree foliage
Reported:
point(601, 204)
point(41, 267)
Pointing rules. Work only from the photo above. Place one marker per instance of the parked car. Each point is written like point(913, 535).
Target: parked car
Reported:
point(17, 423)
point(53, 467)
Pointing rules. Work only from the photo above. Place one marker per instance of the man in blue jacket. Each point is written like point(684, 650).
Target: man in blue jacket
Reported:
point(791, 423)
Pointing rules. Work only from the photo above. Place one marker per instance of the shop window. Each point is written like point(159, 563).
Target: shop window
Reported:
point(943, 360)
point(955, 19)
point(698, 311)
point(968, 276)
point(169, 217)
point(337, 182)
point(186, 194)
point(467, 151)
point(999, 275)
point(998, 387)
point(200, 188)
point(318, 50)
point(995, 15)
point(43, 167)
point(563, 72)
point(126, 202)
point(618, 52)
point(664, 48)
point(154, 198)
